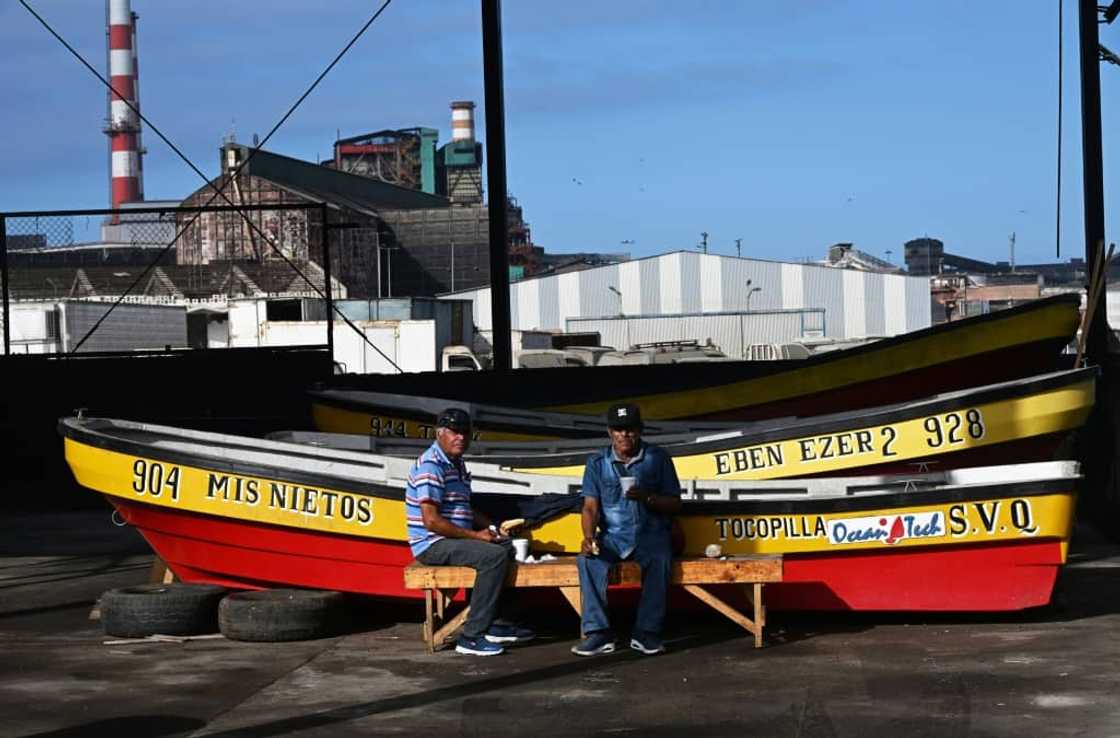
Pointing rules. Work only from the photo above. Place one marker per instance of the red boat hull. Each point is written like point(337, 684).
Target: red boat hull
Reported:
point(243, 555)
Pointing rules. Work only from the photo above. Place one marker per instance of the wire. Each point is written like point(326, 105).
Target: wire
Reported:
point(219, 191)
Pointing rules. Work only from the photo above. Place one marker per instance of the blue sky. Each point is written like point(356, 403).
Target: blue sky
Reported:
point(790, 125)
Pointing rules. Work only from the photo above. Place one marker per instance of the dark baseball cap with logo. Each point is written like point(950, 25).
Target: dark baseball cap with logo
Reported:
point(624, 415)
point(454, 418)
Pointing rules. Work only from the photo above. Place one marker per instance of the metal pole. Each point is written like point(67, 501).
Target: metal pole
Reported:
point(327, 272)
point(496, 178)
point(377, 244)
point(1096, 344)
point(4, 277)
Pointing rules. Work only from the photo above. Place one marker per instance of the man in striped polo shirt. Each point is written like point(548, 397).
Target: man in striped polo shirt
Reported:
point(443, 530)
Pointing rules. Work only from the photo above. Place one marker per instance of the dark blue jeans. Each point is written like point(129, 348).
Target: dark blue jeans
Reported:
point(489, 561)
point(655, 559)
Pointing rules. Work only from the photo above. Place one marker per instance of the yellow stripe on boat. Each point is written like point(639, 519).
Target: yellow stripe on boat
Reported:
point(1053, 321)
point(1002, 421)
point(975, 521)
point(240, 497)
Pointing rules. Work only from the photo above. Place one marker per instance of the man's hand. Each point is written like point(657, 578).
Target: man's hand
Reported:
point(639, 494)
point(486, 535)
point(589, 547)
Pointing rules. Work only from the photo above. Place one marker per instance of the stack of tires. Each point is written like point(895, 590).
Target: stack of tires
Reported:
point(177, 609)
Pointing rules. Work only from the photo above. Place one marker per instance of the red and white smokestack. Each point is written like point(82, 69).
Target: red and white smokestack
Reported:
point(462, 120)
point(124, 125)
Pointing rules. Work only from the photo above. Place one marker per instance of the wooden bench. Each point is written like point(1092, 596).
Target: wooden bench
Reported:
point(440, 583)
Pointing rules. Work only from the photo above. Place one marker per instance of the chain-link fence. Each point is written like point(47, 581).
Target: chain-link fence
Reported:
point(143, 279)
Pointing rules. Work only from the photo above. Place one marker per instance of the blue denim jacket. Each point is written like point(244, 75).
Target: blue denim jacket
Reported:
point(621, 521)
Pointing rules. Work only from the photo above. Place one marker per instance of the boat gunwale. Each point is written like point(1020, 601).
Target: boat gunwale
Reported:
point(807, 505)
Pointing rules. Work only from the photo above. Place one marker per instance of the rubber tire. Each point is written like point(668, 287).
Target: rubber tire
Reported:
point(275, 615)
point(167, 609)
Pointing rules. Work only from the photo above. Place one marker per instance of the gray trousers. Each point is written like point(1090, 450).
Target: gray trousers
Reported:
point(489, 561)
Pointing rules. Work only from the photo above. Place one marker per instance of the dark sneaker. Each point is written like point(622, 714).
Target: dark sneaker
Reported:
point(509, 633)
point(595, 644)
point(477, 646)
point(647, 644)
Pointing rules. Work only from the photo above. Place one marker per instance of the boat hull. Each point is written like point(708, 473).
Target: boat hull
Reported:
point(1002, 576)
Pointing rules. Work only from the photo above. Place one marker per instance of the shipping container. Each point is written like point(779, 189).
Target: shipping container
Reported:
point(128, 327)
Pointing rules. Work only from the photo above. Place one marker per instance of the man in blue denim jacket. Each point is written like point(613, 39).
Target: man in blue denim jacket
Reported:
point(630, 492)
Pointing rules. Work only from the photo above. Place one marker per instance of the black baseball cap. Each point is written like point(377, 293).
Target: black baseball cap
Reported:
point(455, 418)
point(624, 415)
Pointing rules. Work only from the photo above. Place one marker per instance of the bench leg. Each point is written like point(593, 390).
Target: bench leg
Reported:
point(572, 595)
point(575, 599)
point(429, 622)
point(450, 627)
point(709, 599)
point(754, 594)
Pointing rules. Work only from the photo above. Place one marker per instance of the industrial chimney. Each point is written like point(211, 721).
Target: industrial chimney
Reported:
point(123, 125)
point(462, 120)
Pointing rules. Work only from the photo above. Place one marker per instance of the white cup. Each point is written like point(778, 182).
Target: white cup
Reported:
point(521, 548)
point(627, 483)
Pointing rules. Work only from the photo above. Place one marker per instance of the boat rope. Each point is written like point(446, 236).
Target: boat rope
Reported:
point(219, 191)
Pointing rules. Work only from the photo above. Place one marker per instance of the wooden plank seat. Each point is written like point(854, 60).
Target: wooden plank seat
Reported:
point(440, 583)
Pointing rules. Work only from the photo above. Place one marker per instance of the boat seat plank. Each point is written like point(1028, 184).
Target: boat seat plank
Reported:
point(439, 582)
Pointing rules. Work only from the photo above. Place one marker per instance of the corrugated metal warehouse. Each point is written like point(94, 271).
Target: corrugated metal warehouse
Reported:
point(855, 303)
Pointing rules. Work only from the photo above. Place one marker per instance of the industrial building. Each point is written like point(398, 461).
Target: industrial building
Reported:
point(408, 158)
point(395, 237)
point(405, 157)
point(961, 287)
point(801, 300)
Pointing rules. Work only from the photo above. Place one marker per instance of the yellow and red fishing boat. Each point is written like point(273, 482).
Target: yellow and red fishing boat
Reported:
point(1009, 344)
point(245, 512)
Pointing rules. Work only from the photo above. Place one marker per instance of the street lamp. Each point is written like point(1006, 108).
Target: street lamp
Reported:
point(614, 289)
point(751, 291)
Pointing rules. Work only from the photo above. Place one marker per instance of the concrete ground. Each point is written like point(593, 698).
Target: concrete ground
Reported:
point(1051, 672)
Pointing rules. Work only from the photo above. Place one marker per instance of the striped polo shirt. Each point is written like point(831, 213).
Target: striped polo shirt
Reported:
point(435, 478)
